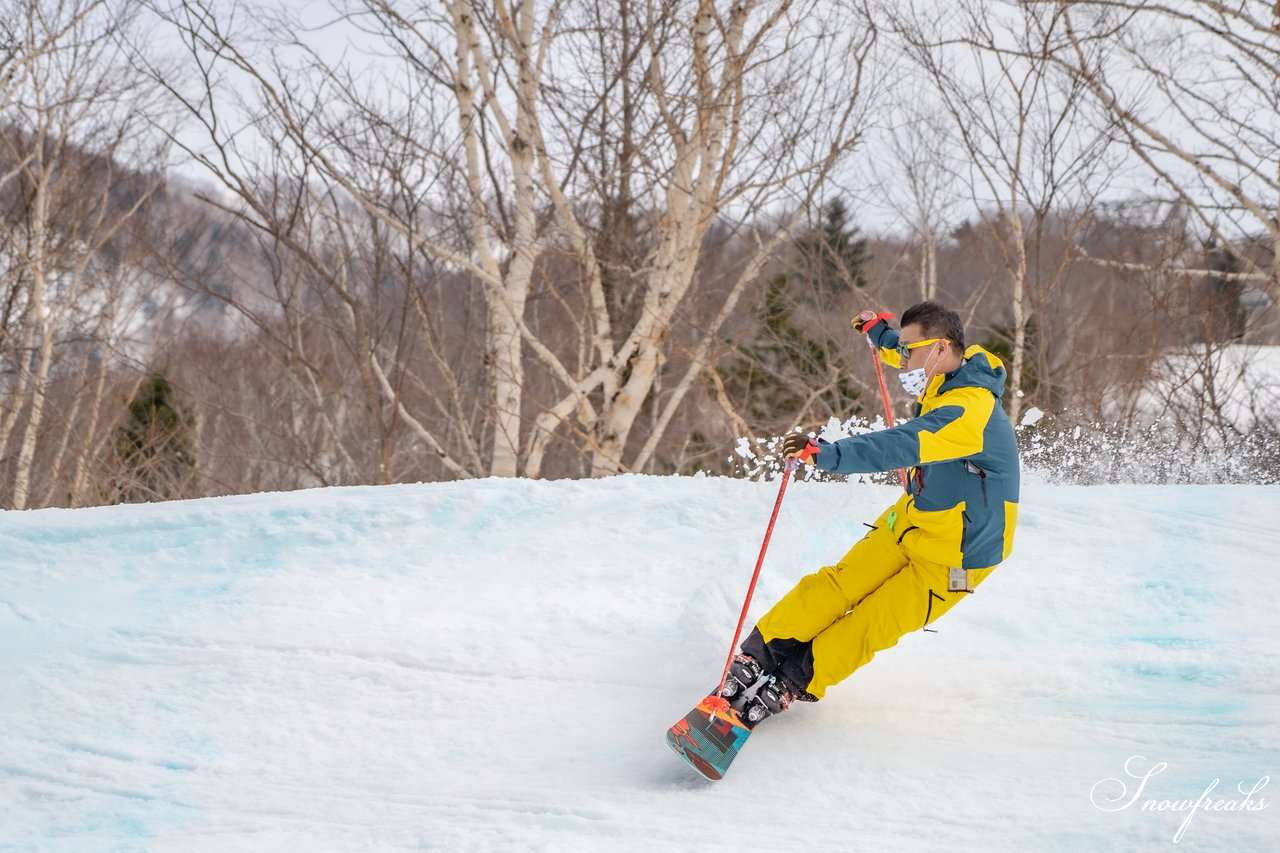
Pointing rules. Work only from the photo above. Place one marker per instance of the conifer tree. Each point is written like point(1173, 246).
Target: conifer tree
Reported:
point(788, 371)
point(153, 447)
point(833, 256)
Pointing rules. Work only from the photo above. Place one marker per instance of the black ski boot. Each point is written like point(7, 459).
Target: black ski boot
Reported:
point(743, 672)
point(773, 697)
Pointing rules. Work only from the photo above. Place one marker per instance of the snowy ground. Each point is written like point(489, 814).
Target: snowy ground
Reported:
point(492, 665)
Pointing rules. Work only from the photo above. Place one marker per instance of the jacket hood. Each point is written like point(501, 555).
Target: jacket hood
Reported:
point(981, 369)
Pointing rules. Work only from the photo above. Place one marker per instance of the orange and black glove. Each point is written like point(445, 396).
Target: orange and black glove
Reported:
point(799, 446)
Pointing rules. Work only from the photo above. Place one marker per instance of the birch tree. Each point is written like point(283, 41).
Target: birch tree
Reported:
point(500, 143)
point(70, 123)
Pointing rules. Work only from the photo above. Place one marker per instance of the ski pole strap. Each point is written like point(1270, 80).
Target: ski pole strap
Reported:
point(867, 319)
point(880, 316)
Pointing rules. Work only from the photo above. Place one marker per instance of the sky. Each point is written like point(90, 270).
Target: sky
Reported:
point(908, 119)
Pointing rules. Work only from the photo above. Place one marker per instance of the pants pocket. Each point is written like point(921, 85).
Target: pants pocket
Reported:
point(928, 614)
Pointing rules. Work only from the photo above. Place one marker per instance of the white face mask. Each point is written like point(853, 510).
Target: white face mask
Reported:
point(915, 381)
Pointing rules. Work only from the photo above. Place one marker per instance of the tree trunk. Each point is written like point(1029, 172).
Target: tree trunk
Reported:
point(39, 319)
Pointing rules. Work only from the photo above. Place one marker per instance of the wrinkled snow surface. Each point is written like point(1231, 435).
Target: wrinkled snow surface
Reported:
point(492, 665)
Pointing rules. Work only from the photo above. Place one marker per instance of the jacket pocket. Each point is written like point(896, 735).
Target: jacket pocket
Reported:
point(982, 478)
point(938, 534)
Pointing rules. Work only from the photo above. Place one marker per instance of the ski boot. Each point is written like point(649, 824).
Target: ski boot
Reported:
point(743, 672)
point(773, 697)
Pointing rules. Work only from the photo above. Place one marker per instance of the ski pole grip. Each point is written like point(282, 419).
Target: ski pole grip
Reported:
point(867, 319)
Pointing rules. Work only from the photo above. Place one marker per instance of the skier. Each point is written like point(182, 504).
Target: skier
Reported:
point(925, 553)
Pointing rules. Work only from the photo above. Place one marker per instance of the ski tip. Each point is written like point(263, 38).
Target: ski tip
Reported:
point(699, 764)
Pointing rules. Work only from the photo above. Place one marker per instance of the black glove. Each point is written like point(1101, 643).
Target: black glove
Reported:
point(800, 446)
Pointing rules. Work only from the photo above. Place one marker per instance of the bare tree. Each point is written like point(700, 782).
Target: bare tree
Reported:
point(563, 162)
point(71, 123)
point(1192, 85)
point(1035, 163)
point(1191, 88)
point(920, 180)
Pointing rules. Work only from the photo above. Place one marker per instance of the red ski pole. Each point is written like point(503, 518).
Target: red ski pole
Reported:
point(751, 589)
point(884, 395)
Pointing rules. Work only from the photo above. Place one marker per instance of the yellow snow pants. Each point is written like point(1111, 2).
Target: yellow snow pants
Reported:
point(863, 604)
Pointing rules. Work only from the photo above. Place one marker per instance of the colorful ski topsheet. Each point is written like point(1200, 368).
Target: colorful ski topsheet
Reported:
point(709, 737)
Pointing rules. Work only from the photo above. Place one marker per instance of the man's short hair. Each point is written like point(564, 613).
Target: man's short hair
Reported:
point(937, 322)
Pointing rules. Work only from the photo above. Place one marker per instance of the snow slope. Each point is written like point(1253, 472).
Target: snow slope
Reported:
point(492, 665)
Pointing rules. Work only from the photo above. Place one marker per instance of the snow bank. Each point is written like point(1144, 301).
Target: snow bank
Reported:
point(492, 665)
point(1159, 452)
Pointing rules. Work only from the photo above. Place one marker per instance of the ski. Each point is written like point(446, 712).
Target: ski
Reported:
point(710, 736)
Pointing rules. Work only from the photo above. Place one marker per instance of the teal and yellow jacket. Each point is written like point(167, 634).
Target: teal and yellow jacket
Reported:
point(961, 503)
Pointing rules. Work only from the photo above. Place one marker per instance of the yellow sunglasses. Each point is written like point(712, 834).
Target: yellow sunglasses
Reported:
point(904, 350)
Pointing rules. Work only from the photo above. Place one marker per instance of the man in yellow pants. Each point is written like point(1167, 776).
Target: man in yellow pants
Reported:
point(925, 553)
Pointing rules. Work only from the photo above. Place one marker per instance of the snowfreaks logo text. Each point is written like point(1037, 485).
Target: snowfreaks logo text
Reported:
point(1102, 795)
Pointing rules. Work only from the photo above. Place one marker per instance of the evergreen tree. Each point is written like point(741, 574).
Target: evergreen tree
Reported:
point(833, 257)
point(787, 371)
point(153, 447)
